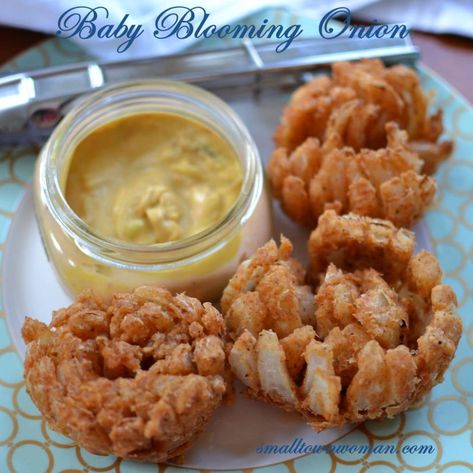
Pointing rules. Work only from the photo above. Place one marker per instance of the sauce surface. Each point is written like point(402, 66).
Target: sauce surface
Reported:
point(152, 178)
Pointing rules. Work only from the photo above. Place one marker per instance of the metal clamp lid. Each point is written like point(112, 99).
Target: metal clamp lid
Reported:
point(33, 102)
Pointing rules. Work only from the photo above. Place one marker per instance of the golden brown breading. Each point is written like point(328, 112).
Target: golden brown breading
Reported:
point(250, 272)
point(432, 154)
point(243, 358)
point(294, 346)
point(383, 183)
point(138, 375)
point(360, 141)
point(309, 110)
point(352, 242)
point(335, 300)
point(380, 335)
point(382, 94)
point(379, 311)
point(268, 291)
point(345, 345)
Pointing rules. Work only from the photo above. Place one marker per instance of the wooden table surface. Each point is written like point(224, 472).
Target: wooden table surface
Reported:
point(448, 55)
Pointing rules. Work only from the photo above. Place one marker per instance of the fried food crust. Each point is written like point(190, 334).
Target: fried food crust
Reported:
point(382, 94)
point(385, 183)
point(268, 291)
point(378, 333)
point(137, 376)
point(353, 242)
point(359, 141)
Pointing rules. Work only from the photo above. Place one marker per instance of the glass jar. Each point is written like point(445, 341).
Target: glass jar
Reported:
point(200, 265)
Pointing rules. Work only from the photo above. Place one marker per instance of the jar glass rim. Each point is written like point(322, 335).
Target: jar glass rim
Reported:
point(202, 243)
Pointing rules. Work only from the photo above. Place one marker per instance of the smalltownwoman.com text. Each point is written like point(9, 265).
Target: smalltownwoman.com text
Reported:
point(298, 446)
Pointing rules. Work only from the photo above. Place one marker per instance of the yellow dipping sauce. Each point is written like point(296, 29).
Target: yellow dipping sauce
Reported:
point(152, 178)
